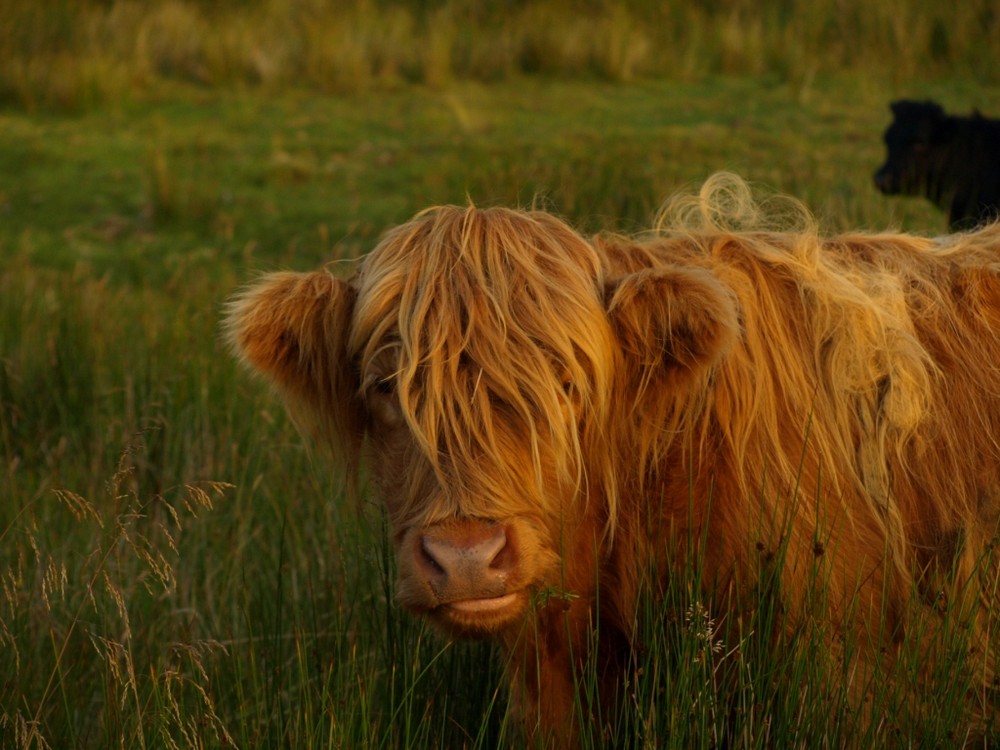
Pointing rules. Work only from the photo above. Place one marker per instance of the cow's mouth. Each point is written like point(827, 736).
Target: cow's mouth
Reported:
point(481, 617)
point(489, 604)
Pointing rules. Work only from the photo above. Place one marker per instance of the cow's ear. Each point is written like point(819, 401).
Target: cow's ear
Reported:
point(672, 324)
point(292, 328)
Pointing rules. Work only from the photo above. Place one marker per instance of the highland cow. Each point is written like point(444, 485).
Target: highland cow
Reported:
point(952, 161)
point(542, 412)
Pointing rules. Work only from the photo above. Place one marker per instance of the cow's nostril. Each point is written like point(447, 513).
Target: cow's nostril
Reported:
point(504, 557)
point(490, 548)
point(429, 560)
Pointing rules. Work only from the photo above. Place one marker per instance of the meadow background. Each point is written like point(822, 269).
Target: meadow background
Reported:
point(176, 569)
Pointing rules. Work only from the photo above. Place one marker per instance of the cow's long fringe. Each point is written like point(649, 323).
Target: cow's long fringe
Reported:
point(448, 298)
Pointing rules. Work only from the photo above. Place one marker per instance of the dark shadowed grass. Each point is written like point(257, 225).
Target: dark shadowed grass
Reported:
point(277, 632)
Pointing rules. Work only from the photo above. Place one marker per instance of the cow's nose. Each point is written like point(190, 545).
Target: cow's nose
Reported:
point(446, 559)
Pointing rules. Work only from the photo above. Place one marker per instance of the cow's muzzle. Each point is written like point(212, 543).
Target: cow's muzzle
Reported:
point(464, 573)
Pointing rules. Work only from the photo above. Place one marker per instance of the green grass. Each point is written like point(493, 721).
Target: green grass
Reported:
point(209, 180)
point(176, 570)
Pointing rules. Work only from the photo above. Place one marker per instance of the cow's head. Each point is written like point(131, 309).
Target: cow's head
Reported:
point(490, 370)
point(915, 141)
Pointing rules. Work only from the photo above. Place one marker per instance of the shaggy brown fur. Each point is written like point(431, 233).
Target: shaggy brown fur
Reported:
point(528, 400)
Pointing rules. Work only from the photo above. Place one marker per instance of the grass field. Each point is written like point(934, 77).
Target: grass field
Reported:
point(176, 569)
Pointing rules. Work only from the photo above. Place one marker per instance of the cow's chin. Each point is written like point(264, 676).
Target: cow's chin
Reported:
point(480, 618)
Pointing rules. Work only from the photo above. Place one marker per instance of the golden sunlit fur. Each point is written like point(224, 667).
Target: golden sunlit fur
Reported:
point(546, 416)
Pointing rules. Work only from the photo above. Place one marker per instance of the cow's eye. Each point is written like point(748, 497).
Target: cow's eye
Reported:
point(382, 402)
point(566, 381)
point(384, 386)
point(381, 386)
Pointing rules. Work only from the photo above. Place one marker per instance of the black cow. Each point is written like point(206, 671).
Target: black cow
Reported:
point(953, 161)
